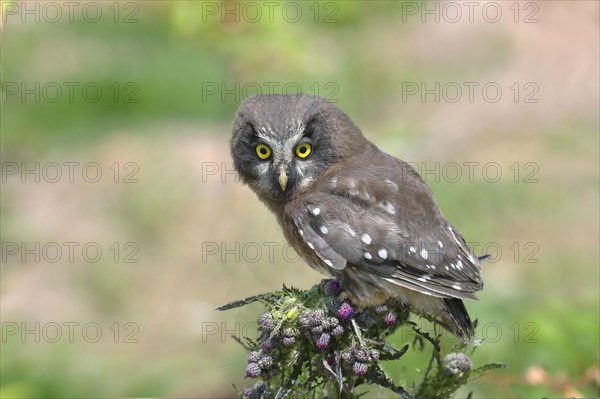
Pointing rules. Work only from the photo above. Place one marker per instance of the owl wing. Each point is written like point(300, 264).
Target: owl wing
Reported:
point(387, 224)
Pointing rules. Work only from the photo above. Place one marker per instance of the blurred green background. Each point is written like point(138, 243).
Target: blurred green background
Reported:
point(171, 76)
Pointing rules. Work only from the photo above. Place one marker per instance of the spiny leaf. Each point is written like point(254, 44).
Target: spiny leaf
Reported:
point(425, 335)
point(388, 352)
point(247, 345)
point(382, 379)
point(243, 302)
point(479, 371)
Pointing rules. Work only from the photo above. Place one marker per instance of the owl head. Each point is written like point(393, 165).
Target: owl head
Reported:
point(282, 143)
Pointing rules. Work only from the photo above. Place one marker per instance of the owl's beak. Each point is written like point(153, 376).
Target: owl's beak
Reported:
point(283, 178)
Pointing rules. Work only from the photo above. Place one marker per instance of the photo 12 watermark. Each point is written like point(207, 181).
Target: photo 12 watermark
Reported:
point(471, 92)
point(490, 332)
point(252, 12)
point(452, 12)
point(53, 332)
point(70, 92)
point(248, 252)
point(70, 172)
point(69, 252)
point(473, 171)
point(518, 172)
point(52, 12)
point(272, 252)
point(238, 91)
point(222, 332)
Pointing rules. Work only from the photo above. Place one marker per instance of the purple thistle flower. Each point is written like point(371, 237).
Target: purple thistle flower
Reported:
point(304, 319)
point(374, 354)
point(337, 331)
point(335, 305)
point(254, 356)
point(360, 369)
point(345, 311)
point(381, 309)
point(390, 318)
point(289, 341)
point(253, 370)
point(251, 393)
point(317, 329)
point(258, 391)
point(332, 288)
point(267, 343)
point(266, 322)
point(266, 362)
point(331, 362)
point(347, 356)
point(316, 318)
point(290, 332)
point(323, 341)
point(457, 364)
point(362, 355)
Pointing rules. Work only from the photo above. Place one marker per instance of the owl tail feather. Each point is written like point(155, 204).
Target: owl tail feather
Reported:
point(457, 319)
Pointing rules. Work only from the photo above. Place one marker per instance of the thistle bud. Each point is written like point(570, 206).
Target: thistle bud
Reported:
point(253, 370)
point(360, 369)
point(323, 341)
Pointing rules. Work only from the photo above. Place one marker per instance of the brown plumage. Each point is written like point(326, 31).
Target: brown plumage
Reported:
point(353, 211)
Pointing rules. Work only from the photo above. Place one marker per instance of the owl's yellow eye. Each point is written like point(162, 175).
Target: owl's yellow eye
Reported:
point(303, 150)
point(263, 151)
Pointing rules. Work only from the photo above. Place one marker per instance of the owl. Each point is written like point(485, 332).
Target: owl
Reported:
point(353, 211)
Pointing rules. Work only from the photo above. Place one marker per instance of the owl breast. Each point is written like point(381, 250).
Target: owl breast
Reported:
point(302, 247)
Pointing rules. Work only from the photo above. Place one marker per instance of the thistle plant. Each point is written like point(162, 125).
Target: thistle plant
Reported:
point(312, 344)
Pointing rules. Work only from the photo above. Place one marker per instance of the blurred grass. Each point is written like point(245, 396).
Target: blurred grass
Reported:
point(174, 129)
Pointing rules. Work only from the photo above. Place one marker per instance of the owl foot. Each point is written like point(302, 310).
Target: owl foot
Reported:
point(348, 296)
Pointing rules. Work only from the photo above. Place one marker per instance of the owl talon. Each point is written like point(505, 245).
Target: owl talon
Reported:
point(349, 297)
point(343, 296)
